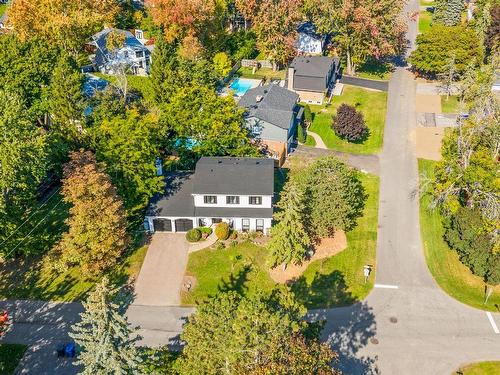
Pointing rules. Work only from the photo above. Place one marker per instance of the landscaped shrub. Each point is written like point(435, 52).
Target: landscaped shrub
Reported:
point(301, 134)
point(307, 115)
point(222, 231)
point(233, 235)
point(349, 123)
point(193, 235)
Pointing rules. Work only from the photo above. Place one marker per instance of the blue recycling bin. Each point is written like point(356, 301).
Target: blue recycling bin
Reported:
point(70, 350)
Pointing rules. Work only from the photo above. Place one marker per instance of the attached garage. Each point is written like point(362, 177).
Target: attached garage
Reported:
point(183, 225)
point(162, 225)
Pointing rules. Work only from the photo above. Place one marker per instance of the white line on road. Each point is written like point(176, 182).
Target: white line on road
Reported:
point(385, 286)
point(492, 322)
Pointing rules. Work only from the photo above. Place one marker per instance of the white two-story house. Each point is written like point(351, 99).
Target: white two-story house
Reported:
point(238, 191)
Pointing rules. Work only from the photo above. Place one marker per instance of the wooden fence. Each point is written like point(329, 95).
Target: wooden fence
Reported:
point(259, 63)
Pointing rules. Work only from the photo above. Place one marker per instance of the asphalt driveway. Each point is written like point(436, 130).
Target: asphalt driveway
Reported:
point(159, 282)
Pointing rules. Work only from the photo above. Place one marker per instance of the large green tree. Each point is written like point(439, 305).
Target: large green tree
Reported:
point(23, 161)
point(360, 28)
point(97, 233)
point(289, 237)
point(241, 335)
point(104, 336)
point(335, 196)
point(214, 123)
point(440, 43)
point(129, 146)
point(448, 12)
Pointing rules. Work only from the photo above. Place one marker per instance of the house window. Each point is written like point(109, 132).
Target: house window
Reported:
point(259, 225)
point(245, 225)
point(138, 54)
point(125, 54)
point(210, 199)
point(255, 200)
point(256, 129)
point(232, 199)
point(139, 34)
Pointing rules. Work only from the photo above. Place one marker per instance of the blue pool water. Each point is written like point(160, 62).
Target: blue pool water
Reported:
point(241, 86)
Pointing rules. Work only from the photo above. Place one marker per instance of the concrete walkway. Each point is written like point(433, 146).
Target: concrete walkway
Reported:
point(318, 139)
point(159, 282)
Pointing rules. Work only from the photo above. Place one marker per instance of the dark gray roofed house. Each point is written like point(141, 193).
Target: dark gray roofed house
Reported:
point(311, 77)
point(236, 190)
point(272, 115)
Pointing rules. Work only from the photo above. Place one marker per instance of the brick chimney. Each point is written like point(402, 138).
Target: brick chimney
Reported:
point(291, 72)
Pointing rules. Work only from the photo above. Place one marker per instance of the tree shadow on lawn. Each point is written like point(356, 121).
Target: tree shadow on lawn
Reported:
point(236, 281)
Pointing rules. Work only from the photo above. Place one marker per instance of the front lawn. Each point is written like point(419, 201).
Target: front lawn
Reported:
point(424, 21)
point(373, 106)
point(375, 69)
point(339, 280)
point(10, 355)
point(241, 268)
point(310, 141)
point(451, 275)
point(336, 281)
point(480, 368)
point(450, 105)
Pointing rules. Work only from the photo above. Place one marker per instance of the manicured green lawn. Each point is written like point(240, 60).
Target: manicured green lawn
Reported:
point(240, 268)
point(263, 73)
point(373, 106)
point(451, 275)
point(10, 355)
point(339, 280)
point(480, 368)
point(336, 281)
point(428, 3)
point(3, 8)
point(310, 141)
point(450, 105)
point(424, 21)
point(374, 69)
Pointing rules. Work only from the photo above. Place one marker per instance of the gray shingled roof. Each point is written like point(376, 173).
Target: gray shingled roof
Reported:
point(240, 176)
point(177, 199)
point(312, 66)
point(277, 105)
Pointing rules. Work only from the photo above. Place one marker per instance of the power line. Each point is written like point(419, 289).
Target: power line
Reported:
point(25, 221)
point(31, 231)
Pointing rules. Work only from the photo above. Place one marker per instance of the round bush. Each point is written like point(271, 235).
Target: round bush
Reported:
point(349, 123)
point(193, 235)
point(222, 231)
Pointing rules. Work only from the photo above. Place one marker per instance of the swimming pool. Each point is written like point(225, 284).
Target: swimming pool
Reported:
point(242, 85)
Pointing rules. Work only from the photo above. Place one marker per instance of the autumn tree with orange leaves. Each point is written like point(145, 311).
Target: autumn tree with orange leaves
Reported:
point(66, 23)
point(361, 28)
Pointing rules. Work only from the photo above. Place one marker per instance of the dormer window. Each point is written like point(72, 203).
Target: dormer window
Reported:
point(255, 201)
point(210, 199)
point(232, 199)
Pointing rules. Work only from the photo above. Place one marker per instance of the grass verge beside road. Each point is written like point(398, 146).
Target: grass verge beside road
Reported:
point(451, 275)
point(336, 281)
point(424, 21)
point(10, 355)
point(372, 104)
point(480, 368)
point(450, 105)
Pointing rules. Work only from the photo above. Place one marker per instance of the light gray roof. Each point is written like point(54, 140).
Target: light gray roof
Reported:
point(312, 66)
point(277, 105)
point(239, 176)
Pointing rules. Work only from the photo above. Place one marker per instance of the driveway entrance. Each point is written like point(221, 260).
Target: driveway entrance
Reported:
point(159, 282)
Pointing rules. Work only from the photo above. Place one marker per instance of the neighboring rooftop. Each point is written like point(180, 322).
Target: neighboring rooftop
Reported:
point(239, 176)
point(271, 103)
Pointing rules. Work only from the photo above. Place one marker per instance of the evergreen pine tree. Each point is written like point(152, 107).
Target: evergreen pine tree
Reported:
point(65, 97)
point(163, 70)
point(448, 12)
point(289, 238)
point(104, 336)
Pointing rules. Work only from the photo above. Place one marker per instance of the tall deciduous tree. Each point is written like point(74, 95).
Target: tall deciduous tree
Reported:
point(104, 336)
point(129, 146)
point(97, 233)
point(241, 335)
point(23, 161)
point(65, 23)
point(440, 43)
point(448, 12)
point(335, 196)
point(360, 28)
point(275, 25)
point(214, 123)
point(289, 237)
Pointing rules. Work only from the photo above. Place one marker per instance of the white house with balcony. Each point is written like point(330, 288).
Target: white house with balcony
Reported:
point(238, 191)
point(133, 56)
